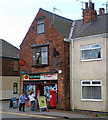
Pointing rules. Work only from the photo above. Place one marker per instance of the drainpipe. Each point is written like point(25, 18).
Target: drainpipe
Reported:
point(70, 38)
point(72, 79)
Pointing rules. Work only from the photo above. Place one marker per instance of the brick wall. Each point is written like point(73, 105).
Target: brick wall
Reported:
point(10, 67)
point(67, 73)
point(89, 15)
point(56, 41)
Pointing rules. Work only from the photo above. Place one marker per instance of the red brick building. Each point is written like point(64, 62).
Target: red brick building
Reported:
point(46, 57)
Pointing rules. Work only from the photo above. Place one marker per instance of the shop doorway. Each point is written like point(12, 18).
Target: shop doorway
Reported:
point(40, 87)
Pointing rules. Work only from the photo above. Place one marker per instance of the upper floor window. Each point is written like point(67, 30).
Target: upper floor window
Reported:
point(40, 55)
point(91, 52)
point(40, 26)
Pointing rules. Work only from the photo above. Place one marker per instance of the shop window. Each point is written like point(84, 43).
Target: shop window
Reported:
point(40, 55)
point(15, 88)
point(47, 89)
point(91, 90)
point(40, 26)
point(28, 88)
point(91, 52)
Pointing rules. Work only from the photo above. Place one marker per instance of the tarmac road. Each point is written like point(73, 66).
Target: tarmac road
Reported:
point(14, 114)
point(25, 116)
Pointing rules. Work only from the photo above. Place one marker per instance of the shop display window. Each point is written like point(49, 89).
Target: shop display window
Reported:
point(28, 88)
point(47, 89)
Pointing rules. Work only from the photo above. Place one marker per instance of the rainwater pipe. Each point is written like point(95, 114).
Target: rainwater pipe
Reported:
point(72, 48)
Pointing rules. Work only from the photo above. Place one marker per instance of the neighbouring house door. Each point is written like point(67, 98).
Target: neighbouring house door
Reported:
point(40, 87)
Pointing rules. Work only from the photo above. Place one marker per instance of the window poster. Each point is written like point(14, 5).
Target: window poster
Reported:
point(29, 88)
point(47, 89)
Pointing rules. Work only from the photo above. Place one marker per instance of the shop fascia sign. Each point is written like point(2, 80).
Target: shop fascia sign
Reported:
point(49, 76)
point(52, 76)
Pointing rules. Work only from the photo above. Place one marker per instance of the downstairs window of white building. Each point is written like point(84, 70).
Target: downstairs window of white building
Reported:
point(91, 90)
point(91, 52)
point(15, 88)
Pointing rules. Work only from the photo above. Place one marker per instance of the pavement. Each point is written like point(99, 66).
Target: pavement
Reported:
point(50, 112)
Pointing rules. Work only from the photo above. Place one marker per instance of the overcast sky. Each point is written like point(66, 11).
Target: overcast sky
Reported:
point(16, 16)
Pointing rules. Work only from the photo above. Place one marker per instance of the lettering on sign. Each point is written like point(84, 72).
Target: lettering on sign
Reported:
point(48, 76)
point(34, 76)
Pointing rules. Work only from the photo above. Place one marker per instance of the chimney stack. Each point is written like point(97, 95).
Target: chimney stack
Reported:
point(89, 13)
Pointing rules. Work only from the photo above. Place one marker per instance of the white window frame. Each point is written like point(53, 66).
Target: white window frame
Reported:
point(91, 85)
point(15, 88)
point(91, 47)
point(41, 52)
point(39, 23)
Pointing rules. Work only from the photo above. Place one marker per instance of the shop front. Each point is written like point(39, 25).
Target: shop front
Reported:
point(43, 82)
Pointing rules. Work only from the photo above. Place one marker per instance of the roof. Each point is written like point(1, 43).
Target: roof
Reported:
point(97, 26)
point(62, 24)
point(8, 50)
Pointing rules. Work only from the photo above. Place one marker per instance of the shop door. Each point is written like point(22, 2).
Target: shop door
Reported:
point(40, 87)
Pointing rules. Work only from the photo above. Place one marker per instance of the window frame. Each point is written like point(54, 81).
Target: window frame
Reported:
point(40, 22)
point(90, 47)
point(91, 84)
point(15, 86)
point(40, 65)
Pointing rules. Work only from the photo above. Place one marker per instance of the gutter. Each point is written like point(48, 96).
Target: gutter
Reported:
point(92, 36)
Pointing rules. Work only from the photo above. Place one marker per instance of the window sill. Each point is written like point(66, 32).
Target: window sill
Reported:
point(91, 60)
point(40, 66)
point(92, 100)
point(40, 33)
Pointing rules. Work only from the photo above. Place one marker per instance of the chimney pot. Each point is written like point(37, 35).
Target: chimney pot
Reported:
point(103, 10)
point(86, 5)
point(90, 4)
point(93, 6)
point(100, 11)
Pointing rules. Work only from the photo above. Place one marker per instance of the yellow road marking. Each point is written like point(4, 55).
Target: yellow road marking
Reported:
point(27, 115)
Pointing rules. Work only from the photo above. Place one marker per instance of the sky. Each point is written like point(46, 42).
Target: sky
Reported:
point(16, 16)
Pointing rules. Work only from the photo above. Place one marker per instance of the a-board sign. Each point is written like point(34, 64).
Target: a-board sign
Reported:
point(13, 102)
point(42, 102)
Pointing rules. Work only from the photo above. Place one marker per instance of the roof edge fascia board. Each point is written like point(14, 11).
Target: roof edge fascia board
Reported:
point(92, 36)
